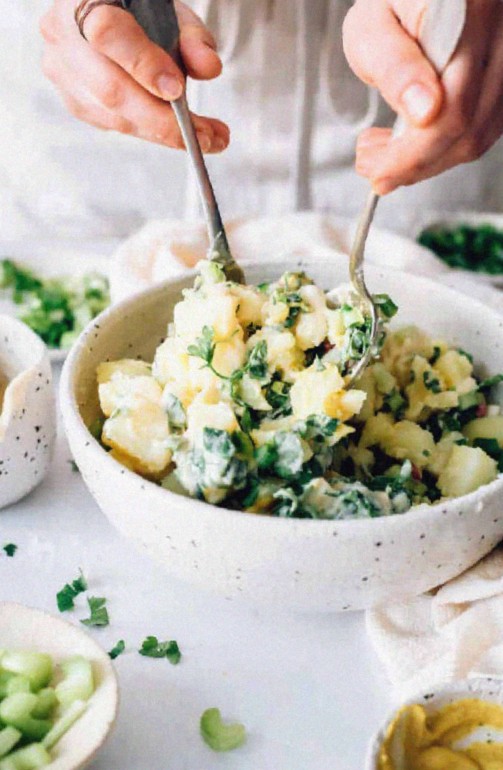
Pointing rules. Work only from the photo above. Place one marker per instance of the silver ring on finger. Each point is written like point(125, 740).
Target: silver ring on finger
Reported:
point(85, 7)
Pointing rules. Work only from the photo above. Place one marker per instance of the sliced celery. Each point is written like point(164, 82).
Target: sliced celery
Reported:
point(63, 724)
point(36, 666)
point(9, 736)
point(46, 703)
point(5, 678)
point(78, 683)
point(16, 710)
point(29, 758)
point(17, 683)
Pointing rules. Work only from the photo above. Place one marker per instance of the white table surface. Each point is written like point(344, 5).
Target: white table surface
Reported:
point(308, 687)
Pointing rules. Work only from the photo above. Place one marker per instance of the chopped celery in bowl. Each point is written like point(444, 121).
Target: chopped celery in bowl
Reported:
point(58, 692)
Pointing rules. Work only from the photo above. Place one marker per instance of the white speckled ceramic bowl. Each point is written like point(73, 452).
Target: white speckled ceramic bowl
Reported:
point(24, 628)
point(435, 698)
point(302, 564)
point(28, 418)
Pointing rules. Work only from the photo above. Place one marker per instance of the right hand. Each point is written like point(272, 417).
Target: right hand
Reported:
point(119, 80)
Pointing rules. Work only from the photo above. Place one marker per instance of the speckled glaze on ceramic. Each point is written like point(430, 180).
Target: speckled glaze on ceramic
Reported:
point(301, 564)
point(434, 698)
point(28, 417)
point(24, 628)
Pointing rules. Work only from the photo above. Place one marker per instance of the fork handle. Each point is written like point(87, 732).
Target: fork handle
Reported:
point(159, 20)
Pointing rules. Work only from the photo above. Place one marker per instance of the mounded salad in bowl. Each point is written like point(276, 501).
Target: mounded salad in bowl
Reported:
point(247, 405)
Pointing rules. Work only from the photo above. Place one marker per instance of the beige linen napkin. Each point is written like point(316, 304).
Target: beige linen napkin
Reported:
point(451, 633)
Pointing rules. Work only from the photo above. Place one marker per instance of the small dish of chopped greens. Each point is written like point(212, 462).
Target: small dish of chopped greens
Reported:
point(56, 304)
point(58, 692)
point(469, 242)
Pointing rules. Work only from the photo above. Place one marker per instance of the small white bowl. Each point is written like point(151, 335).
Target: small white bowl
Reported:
point(297, 563)
point(475, 219)
point(24, 628)
point(51, 262)
point(434, 698)
point(28, 416)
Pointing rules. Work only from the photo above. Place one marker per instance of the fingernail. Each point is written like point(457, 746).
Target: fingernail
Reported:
point(169, 87)
point(419, 101)
point(204, 141)
point(383, 186)
point(219, 144)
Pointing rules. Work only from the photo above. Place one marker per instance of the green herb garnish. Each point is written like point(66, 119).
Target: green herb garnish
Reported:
point(99, 613)
point(152, 648)
point(479, 249)
point(10, 549)
point(117, 650)
point(65, 597)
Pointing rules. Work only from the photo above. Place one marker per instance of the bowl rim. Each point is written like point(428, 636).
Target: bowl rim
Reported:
point(71, 416)
point(476, 684)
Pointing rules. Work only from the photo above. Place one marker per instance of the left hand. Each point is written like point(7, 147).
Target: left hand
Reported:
point(451, 120)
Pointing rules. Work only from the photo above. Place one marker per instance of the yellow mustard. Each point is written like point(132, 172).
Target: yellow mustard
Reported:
point(416, 740)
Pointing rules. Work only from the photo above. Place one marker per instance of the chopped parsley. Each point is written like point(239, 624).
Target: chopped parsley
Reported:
point(99, 613)
point(57, 309)
point(74, 466)
point(152, 648)
point(431, 382)
point(10, 549)
point(65, 597)
point(476, 248)
point(117, 650)
point(218, 735)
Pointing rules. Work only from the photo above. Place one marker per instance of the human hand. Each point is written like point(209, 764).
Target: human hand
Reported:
point(119, 80)
point(451, 119)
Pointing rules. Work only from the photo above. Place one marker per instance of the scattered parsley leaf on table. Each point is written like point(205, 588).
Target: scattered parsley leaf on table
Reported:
point(68, 593)
point(99, 613)
point(218, 735)
point(10, 549)
point(117, 650)
point(74, 466)
point(152, 648)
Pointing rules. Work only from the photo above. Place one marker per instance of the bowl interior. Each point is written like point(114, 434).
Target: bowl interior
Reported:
point(136, 326)
point(436, 697)
point(29, 629)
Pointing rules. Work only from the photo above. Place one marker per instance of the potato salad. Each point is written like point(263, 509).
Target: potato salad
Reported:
point(247, 405)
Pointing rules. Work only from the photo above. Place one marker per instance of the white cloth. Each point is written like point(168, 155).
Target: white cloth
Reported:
point(293, 105)
point(162, 249)
point(449, 634)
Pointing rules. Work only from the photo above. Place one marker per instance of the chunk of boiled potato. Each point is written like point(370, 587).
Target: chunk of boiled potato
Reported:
point(128, 367)
point(218, 416)
point(420, 397)
point(171, 361)
point(311, 328)
point(251, 393)
point(217, 308)
point(142, 436)
point(283, 354)
point(122, 392)
point(442, 452)
point(251, 303)
point(466, 470)
point(367, 384)
point(408, 441)
point(399, 349)
point(336, 328)
point(454, 368)
point(322, 392)
point(485, 427)
point(376, 430)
